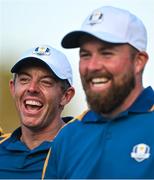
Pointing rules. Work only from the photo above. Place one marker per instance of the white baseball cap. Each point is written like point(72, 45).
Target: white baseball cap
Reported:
point(112, 25)
point(54, 59)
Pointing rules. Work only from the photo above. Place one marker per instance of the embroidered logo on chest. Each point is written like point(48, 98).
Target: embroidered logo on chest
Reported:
point(140, 152)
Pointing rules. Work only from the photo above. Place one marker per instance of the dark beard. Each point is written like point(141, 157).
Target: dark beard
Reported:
point(108, 101)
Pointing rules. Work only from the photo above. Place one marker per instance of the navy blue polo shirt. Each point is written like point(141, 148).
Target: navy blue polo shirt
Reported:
point(94, 147)
point(17, 161)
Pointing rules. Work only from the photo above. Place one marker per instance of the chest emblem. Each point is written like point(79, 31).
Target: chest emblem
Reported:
point(140, 152)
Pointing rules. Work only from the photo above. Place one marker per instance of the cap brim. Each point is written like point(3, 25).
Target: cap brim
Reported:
point(72, 39)
point(27, 60)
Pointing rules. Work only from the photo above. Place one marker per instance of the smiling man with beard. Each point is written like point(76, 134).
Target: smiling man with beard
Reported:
point(103, 97)
point(114, 138)
point(41, 87)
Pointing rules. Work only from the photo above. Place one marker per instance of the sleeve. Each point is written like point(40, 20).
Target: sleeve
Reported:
point(4, 137)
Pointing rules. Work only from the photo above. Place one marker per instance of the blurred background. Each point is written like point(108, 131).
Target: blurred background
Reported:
point(28, 23)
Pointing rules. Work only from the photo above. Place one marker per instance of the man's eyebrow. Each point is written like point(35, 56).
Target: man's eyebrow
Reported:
point(82, 50)
point(22, 73)
point(48, 76)
point(100, 48)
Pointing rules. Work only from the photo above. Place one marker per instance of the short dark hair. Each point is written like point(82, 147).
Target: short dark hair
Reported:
point(64, 84)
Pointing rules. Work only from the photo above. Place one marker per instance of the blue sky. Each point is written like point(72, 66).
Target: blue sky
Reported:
point(27, 23)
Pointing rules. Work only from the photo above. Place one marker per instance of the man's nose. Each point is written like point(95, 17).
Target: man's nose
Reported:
point(33, 87)
point(95, 63)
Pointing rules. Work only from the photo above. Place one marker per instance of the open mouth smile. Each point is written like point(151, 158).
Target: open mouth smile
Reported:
point(33, 105)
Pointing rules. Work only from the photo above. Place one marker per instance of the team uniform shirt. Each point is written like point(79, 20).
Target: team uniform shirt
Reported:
point(17, 161)
point(94, 147)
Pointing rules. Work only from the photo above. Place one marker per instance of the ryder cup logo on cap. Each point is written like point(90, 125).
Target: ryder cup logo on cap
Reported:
point(95, 18)
point(42, 51)
point(112, 25)
point(52, 58)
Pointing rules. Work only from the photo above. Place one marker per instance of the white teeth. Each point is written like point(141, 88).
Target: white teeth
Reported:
point(99, 80)
point(33, 103)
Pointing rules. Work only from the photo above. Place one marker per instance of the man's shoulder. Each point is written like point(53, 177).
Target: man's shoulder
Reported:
point(72, 126)
point(4, 137)
point(77, 119)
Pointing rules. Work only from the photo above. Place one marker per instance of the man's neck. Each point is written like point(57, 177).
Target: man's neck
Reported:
point(32, 138)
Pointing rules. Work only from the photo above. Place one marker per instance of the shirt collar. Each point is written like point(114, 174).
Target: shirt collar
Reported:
point(14, 144)
point(142, 104)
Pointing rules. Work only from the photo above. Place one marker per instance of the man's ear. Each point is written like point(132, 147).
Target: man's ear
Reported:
point(140, 61)
point(68, 95)
point(12, 87)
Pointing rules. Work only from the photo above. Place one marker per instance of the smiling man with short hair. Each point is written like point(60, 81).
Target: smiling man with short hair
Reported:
point(41, 87)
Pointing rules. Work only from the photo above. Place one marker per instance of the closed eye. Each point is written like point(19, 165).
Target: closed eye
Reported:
point(107, 54)
point(84, 54)
point(48, 82)
point(23, 79)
